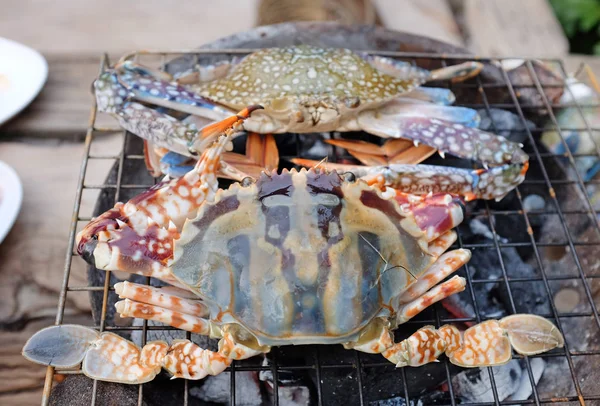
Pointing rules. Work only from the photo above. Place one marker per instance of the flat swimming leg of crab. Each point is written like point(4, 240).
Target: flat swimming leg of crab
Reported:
point(485, 344)
point(137, 237)
point(112, 358)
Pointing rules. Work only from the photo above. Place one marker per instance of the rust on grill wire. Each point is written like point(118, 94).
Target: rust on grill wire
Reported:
point(544, 164)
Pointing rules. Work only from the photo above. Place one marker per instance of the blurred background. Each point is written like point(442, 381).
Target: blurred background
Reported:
point(43, 142)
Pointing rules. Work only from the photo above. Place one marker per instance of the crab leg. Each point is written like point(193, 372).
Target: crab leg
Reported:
point(118, 94)
point(137, 237)
point(406, 70)
point(442, 268)
point(159, 296)
point(485, 344)
point(436, 95)
point(456, 284)
point(182, 321)
point(491, 183)
point(403, 108)
point(109, 357)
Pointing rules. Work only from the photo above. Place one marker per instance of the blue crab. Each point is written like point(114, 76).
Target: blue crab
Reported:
point(310, 89)
point(297, 257)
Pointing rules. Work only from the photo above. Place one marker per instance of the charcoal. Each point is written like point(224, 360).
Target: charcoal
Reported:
point(215, 389)
point(524, 390)
point(77, 390)
point(294, 388)
point(473, 385)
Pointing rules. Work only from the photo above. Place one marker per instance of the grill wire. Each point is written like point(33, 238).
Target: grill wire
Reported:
point(359, 365)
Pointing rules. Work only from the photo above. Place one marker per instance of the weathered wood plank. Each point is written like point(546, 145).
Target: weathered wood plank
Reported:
point(431, 18)
point(21, 381)
point(97, 26)
point(513, 28)
point(32, 255)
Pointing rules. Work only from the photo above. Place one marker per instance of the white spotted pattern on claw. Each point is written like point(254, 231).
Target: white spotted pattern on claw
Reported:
point(305, 72)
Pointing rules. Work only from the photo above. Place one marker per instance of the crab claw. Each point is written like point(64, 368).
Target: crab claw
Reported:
point(138, 236)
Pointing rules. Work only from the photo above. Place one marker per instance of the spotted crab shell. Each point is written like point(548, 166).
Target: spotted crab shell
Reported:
point(300, 257)
point(305, 74)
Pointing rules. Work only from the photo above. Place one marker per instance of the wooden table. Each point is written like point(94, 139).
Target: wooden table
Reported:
point(43, 143)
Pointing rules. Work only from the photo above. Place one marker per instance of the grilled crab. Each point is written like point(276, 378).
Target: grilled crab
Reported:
point(298, 257)
point(310, 89)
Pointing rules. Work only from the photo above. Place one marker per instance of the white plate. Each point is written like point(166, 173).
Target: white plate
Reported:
point(23, 72)
point(11, 197)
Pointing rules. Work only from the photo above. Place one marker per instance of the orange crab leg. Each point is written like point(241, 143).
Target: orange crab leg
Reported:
point(182, 321)
point(397, 151)
point(158, 296)
point(454, 285)
point(442, 268)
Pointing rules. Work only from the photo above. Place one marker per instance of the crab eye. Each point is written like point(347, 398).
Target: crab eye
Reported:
point(349, 177)
point(247, 181)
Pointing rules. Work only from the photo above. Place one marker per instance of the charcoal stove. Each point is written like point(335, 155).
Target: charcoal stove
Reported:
point(523, 254)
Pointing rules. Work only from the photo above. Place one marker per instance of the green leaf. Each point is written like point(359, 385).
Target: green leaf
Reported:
point(597, 48)
point(577, 14)
point(590, 19)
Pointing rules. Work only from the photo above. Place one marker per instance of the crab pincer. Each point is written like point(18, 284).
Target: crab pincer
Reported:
point(137, 236)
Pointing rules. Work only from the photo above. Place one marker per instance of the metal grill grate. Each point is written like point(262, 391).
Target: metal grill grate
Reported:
point(317, 364)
